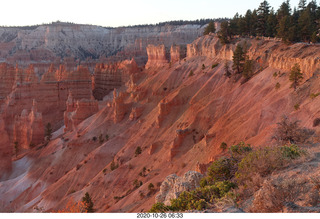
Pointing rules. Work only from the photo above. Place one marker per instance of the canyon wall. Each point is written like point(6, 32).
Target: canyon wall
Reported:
point(46, 43)
point(113, 75)
point(32, 103)
point(178, 120)
point(268, 52)
point(77, 111)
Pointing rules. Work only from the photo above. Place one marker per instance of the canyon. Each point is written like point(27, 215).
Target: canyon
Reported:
point(102, 112)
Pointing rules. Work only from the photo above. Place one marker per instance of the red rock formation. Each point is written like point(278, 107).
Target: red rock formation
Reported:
point(177, 53)
point(216, 108)
point(156, 56)
point(29, 128)
point(180, 136)
point(136, 112)
point(7, 80)
point(120, 108)
point(5, 150)
point(51, 93)
point(109, 77)
point(78, 111)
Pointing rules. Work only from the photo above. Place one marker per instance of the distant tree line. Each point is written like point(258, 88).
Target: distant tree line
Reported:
point(298, 25)
point(200, 22)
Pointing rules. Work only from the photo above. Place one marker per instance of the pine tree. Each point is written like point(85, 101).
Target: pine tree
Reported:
point(238, 59)
point(295, 76)
point(226, 69)
point(284, 10)
point(211, 28)
point(248, 69)
point(224, 33)
point(88, 204)
point(272, 23)
point(302, 5)
point(263, 13)
point(249, 22)
point(305, 25)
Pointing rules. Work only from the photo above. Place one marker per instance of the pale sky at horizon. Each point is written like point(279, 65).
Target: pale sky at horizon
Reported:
point(121, 12)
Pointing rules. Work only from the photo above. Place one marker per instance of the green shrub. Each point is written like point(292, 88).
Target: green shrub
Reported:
point(314, 95)
point(296, 106)
point(261, 162)
point(138, 151)
point(203, 67)
point(240, 149)
point(137, 183)
point(277, 87)
point(201, 198)
point(220, 170)
point(94, 138)
point(113, 166)
point(214, 65)
point(107, 137)
point(151, 187)
point(159, 207)
point(291, 152)
point(191, 73)
point(275, 74)
point(223, 146)
point(204, 182)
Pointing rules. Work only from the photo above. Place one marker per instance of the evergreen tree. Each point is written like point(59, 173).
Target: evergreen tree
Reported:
point(284, 10)
point(238, 59)
point(249, 22)
point(248, 69)
point(295, 76)
point(263, 13)
point(226, 69)
point(254, 23)
point(302, 5)
point(211, 28)
point(305, 25)
point(233, 25)
point(88, 204)
point(272, 23)
point(224, 33)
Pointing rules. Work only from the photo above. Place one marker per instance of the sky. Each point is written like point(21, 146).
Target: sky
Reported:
point(114, 13)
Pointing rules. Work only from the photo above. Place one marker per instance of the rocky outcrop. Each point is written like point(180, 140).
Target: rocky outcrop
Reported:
point(267, 52)
point(7, 80)
point(180, 136)
point(136, 112)
point(157, 56)
point(111, 76)
point(78, 111)
point(163, 112)
point(177, 53)
point(51, 92)
point(5, 150)
point(120, 108)
point(173, 185)
point(28, 128)
point(210, 47)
